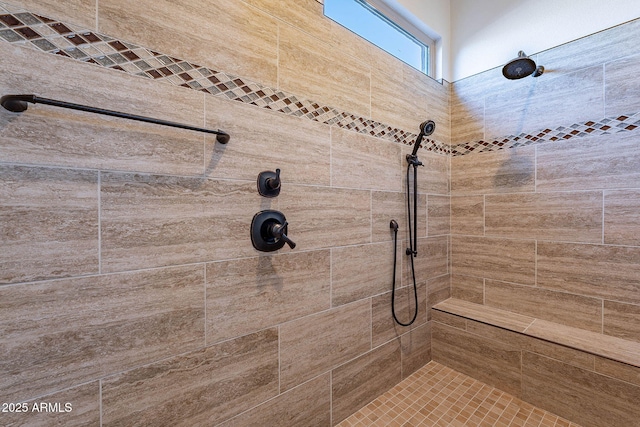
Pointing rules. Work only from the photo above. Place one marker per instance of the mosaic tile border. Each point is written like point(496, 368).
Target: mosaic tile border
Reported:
point(606, 126)
point(27, 29)
point(58, 38)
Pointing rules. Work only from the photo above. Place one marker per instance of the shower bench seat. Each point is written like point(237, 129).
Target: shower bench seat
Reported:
point(586, 377)
point(606, 346)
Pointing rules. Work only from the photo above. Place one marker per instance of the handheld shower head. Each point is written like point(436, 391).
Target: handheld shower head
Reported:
point(426, 129)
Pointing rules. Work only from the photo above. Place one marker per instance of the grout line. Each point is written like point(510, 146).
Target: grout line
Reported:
point(530, 324)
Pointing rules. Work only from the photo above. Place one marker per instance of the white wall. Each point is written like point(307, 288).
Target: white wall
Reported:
point(477, 35)
point(488, 33)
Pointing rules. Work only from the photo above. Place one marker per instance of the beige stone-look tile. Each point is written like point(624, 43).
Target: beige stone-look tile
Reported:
point(362, 161)
point(433, 176)
point(49, 135)
point(604, 161)
point(321, 217)
point(586, 397)
point(508, 260)
point(603, 345)
point(622, 320)
point(438, 290)
point(311, 68)
point(621, 218)
point(247, 46)
point(575, 217)
point(78, 12)
point(432, 260)
point(604, 46)
point(449, 319)
point(84, 328)
point(306, 405)
point(386, 206)
point(250, 294)
point(486, 314)
point(492, 362)
point(546, 103)
point(407, 98)
point(48, 223)
point(621, 371)
point(75, 407)
point(467, 288)
point(308, 17)
point(559, 352)
point(361, 380)
point(467, 215)
point(621, 90)
point(384, 328)
point(609, 272)
point(352, 275)
point(439, 215)
point(467, 114)
point(152, 220)
point(505, 171)
point(318, 343)
point(568, 309)
point(262, 140)
point(203, 387)
point(416, 348)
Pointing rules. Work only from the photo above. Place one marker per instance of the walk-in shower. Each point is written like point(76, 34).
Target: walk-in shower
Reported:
point(426, 129)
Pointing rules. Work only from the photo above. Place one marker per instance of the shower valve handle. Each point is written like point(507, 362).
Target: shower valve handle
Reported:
point(274, 182)
point(278, 231)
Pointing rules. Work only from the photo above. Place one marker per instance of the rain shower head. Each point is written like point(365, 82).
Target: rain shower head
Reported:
point(520, 67)
point(426, 129)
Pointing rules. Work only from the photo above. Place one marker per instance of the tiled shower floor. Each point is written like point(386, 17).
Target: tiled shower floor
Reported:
point(437, 395)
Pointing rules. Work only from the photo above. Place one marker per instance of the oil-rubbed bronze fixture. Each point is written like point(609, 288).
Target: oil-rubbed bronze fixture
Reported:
point(269, 231)
point(18, 104)
point(269, 183)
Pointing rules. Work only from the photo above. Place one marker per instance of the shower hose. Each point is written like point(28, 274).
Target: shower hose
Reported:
point(413, 243)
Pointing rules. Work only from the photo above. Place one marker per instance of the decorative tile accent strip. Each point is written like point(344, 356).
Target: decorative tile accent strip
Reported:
point(605, 126)
point(51, 36)
point(58, 38)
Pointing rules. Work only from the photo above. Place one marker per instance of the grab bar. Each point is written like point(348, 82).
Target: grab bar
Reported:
point(18, 104)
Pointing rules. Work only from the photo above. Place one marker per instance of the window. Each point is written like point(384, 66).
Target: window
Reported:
point(369, 23)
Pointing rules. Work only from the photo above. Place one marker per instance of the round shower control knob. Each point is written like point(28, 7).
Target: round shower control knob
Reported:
point(269, 231)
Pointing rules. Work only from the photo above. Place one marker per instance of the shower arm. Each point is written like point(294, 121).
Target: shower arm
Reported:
point(18, 104)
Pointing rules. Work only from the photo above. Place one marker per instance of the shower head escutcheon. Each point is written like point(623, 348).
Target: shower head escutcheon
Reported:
point(521, 67)
point(426, 129)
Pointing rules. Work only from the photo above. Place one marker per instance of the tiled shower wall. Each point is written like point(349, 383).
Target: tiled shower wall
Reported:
point(129, 286)
point(550, 228)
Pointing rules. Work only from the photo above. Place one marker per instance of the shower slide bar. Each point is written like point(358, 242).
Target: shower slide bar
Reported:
point(18, 104)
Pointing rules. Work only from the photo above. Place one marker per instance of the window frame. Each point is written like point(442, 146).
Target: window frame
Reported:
point(396, 21)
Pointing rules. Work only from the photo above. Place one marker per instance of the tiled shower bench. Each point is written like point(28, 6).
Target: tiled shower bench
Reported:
point(587, 377)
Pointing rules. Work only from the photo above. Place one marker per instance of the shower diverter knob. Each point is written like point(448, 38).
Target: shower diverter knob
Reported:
point(269, 231)
point(269, 183)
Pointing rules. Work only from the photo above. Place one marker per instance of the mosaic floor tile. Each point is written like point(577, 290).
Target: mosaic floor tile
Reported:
point(436, 395)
